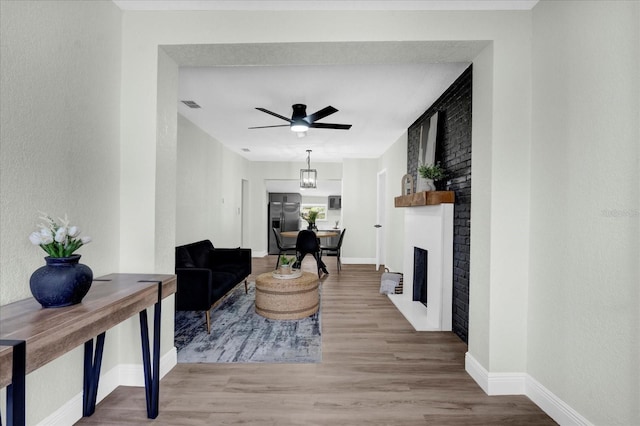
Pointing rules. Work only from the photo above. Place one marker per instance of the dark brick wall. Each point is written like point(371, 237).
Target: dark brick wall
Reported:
point(453, 150)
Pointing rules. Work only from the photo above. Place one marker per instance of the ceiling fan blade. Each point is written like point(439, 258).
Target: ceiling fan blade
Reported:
point(330, 126)
point(320, 114)
point(274, 114)
point(266, 127)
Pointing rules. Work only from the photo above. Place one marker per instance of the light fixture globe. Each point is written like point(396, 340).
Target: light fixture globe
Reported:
point(299, 126)
point(308, 176)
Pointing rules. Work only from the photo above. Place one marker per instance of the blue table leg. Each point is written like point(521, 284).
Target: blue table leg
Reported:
point(91, 374)
point(16, 409)
point(152, 371)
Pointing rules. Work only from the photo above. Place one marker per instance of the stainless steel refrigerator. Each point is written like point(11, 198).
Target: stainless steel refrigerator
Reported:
point(284, 216)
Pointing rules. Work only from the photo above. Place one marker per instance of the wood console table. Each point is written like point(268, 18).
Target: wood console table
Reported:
point(50, 333)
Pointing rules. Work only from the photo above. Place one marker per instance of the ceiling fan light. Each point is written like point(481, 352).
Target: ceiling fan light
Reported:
point(299, 126)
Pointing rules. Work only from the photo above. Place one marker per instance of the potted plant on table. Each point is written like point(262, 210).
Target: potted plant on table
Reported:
point(286, 264)
point(428, 175)
point(63, 281)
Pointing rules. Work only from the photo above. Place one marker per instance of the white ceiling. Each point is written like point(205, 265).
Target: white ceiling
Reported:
point(380, 88)
point(379, 101)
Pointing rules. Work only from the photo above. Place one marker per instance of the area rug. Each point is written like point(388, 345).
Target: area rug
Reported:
point(238, 334)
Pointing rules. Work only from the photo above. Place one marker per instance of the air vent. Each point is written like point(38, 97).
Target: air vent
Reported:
point(191, 104)
point(246, 150)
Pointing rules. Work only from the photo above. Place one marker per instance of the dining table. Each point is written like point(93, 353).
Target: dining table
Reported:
point(320, 234)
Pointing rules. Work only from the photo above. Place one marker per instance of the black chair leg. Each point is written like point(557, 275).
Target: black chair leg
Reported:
point(321, 266)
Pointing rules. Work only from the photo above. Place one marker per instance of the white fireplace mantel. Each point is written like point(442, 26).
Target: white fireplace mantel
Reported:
point(429, 228)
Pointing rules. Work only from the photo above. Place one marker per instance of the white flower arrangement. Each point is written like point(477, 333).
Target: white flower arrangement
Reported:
point(311, 216)
point(58, 240)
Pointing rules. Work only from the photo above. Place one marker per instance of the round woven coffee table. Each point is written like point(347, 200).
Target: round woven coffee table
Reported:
point(289, 298)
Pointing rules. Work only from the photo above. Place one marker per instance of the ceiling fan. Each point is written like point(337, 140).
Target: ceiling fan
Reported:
point(301, 122)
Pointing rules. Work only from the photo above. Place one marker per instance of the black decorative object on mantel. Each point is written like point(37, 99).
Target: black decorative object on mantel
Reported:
point(63, 281)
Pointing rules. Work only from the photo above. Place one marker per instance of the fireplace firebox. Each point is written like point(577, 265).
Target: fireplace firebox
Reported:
point(420, 267)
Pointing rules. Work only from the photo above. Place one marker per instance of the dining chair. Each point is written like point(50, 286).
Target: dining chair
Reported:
point(282, 248)
point(335, 250)
point(307, 243)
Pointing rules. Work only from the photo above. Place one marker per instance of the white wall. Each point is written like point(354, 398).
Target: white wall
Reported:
point(197, 182)
point(481, 162)
point(583, 320)
point(59, 144)
point(165, 183)
point(208, 180)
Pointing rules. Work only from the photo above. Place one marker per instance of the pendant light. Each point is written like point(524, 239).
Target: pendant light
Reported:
point(308, 176)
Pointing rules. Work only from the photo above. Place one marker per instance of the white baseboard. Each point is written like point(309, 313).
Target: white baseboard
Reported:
point(495, 383)
point(259, 253)
point(133, 374)
point(557, 409)
point(120, 375)
point(524, 384)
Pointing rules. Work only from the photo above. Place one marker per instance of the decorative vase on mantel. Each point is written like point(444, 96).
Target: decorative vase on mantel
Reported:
point(63, 281)
point(424, 184)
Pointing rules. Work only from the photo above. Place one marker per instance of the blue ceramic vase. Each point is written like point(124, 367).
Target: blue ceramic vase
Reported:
point(63, 281)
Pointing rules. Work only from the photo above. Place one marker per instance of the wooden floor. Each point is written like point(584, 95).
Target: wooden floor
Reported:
point(375, 370)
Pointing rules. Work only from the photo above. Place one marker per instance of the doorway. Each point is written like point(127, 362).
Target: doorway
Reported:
point(380, 217)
